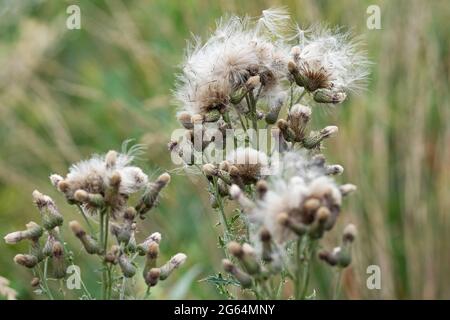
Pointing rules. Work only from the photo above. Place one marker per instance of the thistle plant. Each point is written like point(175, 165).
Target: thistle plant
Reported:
point(246, 99)
point(100, 188)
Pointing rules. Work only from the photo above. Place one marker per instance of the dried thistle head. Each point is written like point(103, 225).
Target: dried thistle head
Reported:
point(248, 164)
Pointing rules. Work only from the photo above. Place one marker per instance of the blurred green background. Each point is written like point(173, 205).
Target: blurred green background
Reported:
point(65, 94)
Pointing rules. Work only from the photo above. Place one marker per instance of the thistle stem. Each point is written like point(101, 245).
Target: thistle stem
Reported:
point(44, 280)
point(300, 97)
point(337, 285)
point(85, 219)
point(307, 268)
point(227, 230)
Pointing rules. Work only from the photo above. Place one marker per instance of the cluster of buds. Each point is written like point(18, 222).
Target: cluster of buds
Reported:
point(295, 128)
point(341, 256)
point(316, 80)
point(251, 268)
point(151, 272)
point(52, 247)
point(100, 187)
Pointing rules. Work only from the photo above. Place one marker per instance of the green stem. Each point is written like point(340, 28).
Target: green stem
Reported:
point(298, 252)
point(300, 97)
point(91, 229)
point(224, 221)
point(45, 279)
point(307, 268)
point(122, 289)
point(337, 286)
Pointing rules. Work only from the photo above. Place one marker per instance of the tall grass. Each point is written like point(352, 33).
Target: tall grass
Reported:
point(65, 94)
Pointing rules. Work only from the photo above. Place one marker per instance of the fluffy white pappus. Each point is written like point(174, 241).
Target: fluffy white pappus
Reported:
point(337, 54)
point(247, 156)
point(251, 163)
point(277, 22)
point(284, 196)
point(238, 49)
point(133, 179)
point(93, 175)
point(296, 181)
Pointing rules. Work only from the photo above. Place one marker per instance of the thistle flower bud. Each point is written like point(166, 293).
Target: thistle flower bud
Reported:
point(253, 82)
point(129, 214)
point(249, 259)
point(349, 234)
point(237, 194)
point(26, 260)
point(329, 131)
point(346, 189)
point(334, 169)
point(55, 179)
point(315, 138)
point(121, 232)
point(36, 250)
point(197, 119)
point(150, 197)
point(328, 258)
point(132, 246)
point(112, 256)
point(35, 282)
point(343, 256)
point(273, 114)
point(295, 53)
point(244, 279)
point(288, 133)
point(209, 170)
point(93, 199)
point(174, 262)
point(235, 176)
point(33, 232)
point(266, 239)
point(212, 116)
point(114, 182)
point(59, 268)
point(151, 257)
point(235, 249)
point(63, 186)
point(261, 189)
point(128, 270)
point(51, 218)
point(185, 119)
point(296, 227)
point(224, 166)
point(89, 243)
point(311, 204)
point(13, 237)
point(48, 246)
point(152, 277)
point(319, 226)
point(294, 71)
point(111, 159)
point(325, 95)
point(144, 247)
point(237, 97)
